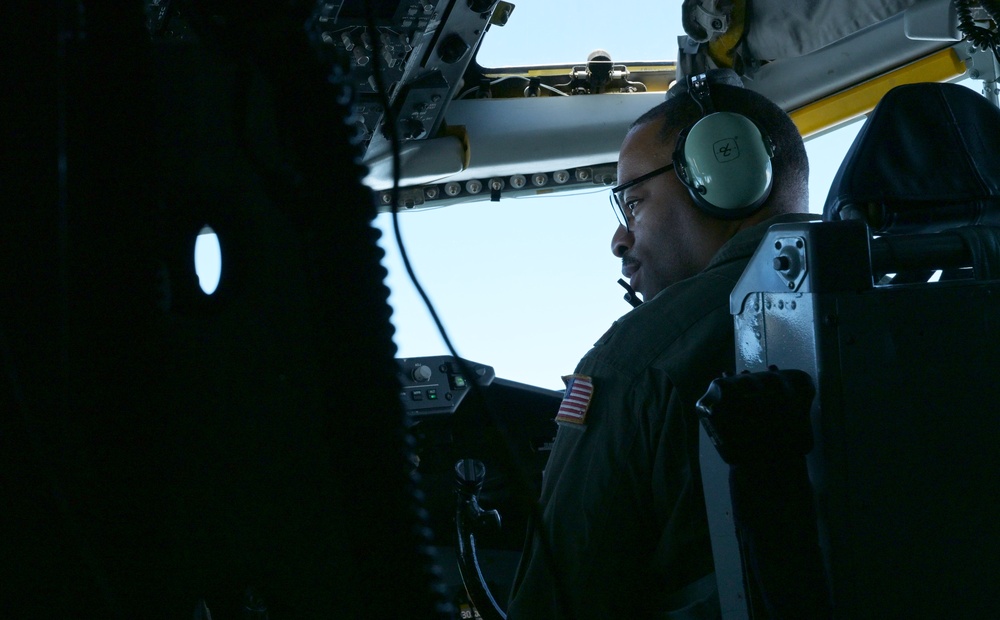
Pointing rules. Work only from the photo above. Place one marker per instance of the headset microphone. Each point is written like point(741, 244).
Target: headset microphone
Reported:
point(630, 295)
point(724, 159)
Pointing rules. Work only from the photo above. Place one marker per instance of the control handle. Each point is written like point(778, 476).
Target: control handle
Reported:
point(469, 517)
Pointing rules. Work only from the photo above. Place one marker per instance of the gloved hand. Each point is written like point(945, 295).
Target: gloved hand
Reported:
point(759, 417)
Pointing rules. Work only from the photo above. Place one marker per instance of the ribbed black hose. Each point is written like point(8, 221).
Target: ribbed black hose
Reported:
point(96, 412)
point(389, 538)
point(983, 38)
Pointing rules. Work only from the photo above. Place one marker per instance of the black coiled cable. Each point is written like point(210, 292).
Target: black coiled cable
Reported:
point(983, 38)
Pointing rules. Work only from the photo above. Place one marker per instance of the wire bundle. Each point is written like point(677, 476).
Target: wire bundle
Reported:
point(981, 37)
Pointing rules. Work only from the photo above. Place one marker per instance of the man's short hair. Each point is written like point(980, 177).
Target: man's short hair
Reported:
point(790, 190)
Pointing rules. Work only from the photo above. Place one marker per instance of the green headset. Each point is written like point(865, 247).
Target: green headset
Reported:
point(724, 159)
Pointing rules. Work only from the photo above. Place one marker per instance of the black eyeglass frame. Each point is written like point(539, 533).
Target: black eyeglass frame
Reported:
point(616, 204)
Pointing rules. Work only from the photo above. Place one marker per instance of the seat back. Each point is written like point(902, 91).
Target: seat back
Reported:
point(904, 469)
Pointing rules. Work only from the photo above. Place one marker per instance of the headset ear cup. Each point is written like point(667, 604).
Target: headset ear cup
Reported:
point(724, 161)
point(768, 142)
point(682, 170)
point(680, 162)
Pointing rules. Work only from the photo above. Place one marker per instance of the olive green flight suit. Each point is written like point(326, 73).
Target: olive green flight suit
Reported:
point(622, 503)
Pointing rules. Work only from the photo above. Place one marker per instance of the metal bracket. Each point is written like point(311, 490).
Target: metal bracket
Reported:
point(790, 260)
point(983, 66)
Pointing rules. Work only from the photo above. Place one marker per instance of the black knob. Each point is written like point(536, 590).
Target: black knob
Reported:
point(469, 474)
point(411, 129)
point(481, 6)
point(452, 48)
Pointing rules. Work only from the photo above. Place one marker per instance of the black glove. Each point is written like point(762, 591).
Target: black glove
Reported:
point(759, 417)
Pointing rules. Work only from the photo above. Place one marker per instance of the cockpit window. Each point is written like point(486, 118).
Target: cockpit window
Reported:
point(557, 32)
point(528, 285)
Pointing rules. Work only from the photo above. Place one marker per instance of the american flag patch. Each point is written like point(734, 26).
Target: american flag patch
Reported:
point(576, 400)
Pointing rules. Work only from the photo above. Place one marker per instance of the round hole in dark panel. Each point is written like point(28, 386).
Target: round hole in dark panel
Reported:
point(208, 259)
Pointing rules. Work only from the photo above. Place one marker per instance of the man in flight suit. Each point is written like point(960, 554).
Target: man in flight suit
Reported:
point(623, 531)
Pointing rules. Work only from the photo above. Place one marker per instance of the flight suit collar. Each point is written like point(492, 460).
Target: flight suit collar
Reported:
point(745, 242)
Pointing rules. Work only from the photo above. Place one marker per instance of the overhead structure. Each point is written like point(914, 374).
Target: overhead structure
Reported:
point(465, 132)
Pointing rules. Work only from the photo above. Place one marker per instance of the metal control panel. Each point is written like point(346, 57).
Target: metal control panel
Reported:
point(421, 48)
point(510, 428)
point(436, 385)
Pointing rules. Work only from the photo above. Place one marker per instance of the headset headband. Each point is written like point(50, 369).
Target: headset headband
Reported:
point(698, 89)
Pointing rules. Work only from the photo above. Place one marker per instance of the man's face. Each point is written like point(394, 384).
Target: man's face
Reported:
point(669, 239)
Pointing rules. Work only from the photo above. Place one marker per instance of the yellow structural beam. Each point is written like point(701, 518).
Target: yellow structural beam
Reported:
point(861, 99)
point(720, 49)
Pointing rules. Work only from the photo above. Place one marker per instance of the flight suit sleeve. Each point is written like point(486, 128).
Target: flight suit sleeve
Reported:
point(600, 528)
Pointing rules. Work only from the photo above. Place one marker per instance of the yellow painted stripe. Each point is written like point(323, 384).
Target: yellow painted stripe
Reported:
point(861, 99)
point(558, 72)
point(564, 70)
point(721, 48)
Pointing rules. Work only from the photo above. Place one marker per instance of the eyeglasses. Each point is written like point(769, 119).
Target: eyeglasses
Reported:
point(617, 194)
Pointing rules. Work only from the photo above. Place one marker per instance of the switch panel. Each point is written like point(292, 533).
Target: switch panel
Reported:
point(436, 385)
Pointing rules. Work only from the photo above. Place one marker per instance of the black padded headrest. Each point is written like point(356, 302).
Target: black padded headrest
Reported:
point(927, 159)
